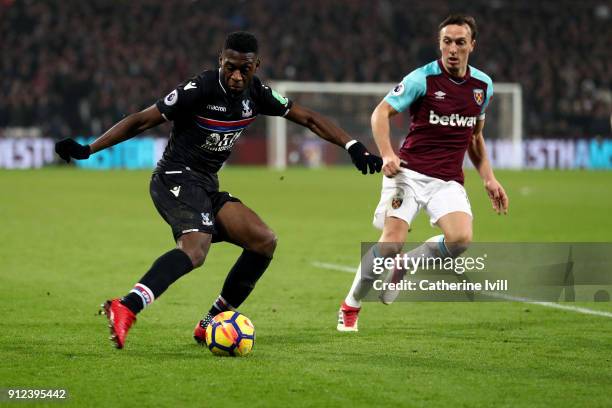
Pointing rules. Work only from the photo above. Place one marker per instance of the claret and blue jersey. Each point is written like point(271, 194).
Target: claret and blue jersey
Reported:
point(443, 112)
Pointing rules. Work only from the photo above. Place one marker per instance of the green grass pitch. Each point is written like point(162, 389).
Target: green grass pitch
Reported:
point(70, 239)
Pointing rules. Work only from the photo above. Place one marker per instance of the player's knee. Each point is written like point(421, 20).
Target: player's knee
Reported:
point(265, 243)
point(389, 249)
point(195, 249)
point(391, 242)
point(458, 241)
point(197, 256)
point(393, 236)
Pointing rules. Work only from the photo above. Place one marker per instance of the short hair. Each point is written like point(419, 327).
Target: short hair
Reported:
point(460, 19)
point(241, 41)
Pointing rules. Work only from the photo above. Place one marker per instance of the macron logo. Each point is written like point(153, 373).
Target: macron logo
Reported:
point(216, 108)
point(454, 120)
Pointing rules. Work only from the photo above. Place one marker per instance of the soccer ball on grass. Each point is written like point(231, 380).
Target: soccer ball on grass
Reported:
point(230, 334)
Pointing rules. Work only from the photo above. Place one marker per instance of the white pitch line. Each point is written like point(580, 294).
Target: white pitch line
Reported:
point(335, 267)
point(553, 305)
point(575, 309)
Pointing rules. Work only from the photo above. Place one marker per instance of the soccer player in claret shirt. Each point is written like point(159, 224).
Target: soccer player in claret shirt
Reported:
point(210, 112)
point(447, 100)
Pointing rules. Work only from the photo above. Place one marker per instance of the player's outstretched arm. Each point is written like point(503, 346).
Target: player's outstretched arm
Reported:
point(125, 129)
point(478, 155)
point(326, 129)
point(381, 131)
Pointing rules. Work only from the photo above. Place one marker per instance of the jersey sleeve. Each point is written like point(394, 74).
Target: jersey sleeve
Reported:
point(412, 87)
point(481, 76)
point(272, 103)
point(488, 97)
point(183, 99)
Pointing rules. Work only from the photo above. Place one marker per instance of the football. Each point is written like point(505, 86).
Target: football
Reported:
point(230, 334)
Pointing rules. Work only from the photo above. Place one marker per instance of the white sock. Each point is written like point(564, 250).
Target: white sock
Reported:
point(363, 279)
point(434, 247)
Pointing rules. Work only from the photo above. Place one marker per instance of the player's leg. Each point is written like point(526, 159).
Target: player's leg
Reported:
point(241, 226)
point(184, 214)
point(450, 210)
point(457, 229)
point(389, 244)
point(238, 224)
point(395, 211)
point(456, 238)
point(190, 253)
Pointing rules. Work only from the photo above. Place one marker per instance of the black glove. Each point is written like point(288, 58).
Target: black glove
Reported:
point(67, 148)
point(363, 160)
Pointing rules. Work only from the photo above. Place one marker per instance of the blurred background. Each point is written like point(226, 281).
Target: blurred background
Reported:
point(73, 68)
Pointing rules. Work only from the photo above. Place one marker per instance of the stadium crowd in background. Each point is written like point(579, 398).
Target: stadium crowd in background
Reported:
point(75, 68)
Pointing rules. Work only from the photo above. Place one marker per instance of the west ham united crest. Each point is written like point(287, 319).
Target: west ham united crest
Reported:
point(479, 96)
point(398, 199)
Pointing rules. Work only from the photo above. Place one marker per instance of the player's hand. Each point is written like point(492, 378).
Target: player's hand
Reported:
point(391, 165)
point(363, 160)
point(498, 196)
point(68, 148)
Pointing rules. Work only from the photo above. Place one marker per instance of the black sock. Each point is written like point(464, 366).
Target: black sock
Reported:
point(164, 271)
point(241, 280)
point(133, 302)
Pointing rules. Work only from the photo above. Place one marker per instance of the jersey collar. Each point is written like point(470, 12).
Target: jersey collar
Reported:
point(456, 80)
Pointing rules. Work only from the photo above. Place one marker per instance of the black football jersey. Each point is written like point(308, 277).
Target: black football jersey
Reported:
point(208, 120)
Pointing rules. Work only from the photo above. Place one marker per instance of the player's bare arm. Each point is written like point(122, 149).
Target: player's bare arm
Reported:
point(125, 129)
point(381, 131)
point(318, 124)
point(128, 127)
point(478, 155)
point(327, 130)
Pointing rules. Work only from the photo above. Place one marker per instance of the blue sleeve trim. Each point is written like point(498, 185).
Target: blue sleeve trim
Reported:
point(412, 87)
point(478, 74)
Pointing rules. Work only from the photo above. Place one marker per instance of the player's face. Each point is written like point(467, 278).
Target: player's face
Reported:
point(237, 69)
point(456, 44)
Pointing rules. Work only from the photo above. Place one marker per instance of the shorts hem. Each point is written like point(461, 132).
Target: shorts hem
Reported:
point(385, 215)
point(433, 221)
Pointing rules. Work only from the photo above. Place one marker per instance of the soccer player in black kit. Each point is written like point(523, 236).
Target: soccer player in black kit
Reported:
point(209, 111)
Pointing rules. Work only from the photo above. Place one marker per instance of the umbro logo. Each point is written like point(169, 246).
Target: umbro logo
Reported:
point(176, 190)
point(440, 95)
point(190, 85)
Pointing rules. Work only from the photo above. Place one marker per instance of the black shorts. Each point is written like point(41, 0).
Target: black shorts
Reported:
point(182, 200)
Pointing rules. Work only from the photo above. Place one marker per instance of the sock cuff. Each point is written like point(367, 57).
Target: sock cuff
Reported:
point(145, 294)
point(374, 251)
point(221, 305)
point(443, 248)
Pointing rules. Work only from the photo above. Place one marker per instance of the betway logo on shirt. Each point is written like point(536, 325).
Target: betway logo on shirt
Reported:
point(454, 120)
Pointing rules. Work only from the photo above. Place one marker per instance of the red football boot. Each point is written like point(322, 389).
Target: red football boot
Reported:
point(199, 333)
point(120, 319)
point(348, 317)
